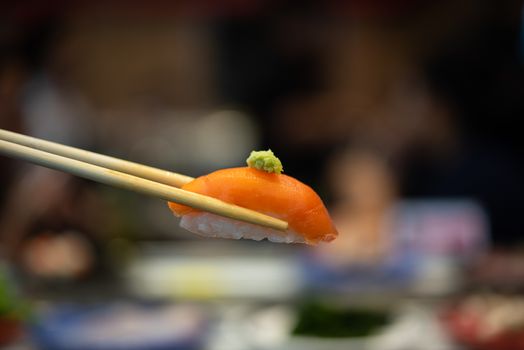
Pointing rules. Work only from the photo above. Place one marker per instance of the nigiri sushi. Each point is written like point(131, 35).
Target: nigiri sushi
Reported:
point(261, 187)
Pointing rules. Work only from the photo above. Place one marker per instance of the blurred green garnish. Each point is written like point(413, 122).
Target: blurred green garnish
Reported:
point(11, 306)
point(318, 320)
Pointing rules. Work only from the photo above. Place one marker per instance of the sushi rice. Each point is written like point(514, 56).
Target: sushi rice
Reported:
point(215, 226)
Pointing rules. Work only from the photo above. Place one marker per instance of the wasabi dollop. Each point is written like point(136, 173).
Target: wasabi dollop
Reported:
point(266, 161)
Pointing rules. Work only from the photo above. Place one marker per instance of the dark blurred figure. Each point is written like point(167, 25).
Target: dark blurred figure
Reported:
point(480, 74)
point(24, 40)
point(43, 212)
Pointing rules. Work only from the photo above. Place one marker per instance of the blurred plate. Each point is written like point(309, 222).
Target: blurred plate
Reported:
point(119, 326)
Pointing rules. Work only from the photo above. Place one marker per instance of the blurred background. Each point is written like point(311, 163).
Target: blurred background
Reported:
point(403, 115)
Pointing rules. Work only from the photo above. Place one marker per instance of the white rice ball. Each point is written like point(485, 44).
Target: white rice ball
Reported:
point(211, 225)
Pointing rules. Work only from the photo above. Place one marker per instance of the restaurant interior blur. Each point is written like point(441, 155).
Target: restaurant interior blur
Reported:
point(402, 115)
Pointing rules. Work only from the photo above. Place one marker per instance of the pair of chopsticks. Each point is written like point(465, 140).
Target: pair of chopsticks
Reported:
point(124, 174)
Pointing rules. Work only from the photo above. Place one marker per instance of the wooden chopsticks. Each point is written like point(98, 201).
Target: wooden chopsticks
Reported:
point(127, 175)
point(140, 170)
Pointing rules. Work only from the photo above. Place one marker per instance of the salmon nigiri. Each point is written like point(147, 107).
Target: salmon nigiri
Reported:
point(260, 187)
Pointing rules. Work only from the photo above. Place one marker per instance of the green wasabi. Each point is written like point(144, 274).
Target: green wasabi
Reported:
point(266, 161)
